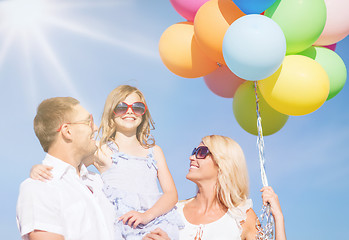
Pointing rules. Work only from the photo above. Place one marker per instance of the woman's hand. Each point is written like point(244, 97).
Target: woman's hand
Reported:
point(157, 234)
point(41, 172)
point(134, 218)
point(269, 196)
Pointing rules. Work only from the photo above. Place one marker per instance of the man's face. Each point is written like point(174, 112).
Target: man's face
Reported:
point(83, 131)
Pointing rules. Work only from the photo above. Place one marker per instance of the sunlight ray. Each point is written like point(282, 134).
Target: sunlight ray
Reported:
point(7, 42)
point(51, 56)
point(29, 81)
point(77, 28)
point(85, 4)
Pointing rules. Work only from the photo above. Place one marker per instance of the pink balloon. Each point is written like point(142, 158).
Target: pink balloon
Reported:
point(223, 82)
point(332, 46)
point(187, 8)
point(337, 22)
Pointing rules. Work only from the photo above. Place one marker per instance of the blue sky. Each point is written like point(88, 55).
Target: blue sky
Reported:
point(85, 48)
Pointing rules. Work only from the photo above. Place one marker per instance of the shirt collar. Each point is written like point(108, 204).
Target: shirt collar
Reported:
point(84, 172)
point(60, 168)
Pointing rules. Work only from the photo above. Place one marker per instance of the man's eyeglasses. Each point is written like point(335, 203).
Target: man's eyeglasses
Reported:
point(89, 122)
point(200, 152)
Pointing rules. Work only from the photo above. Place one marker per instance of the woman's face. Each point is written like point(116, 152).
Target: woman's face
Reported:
point(129, 120)
point(202, 169)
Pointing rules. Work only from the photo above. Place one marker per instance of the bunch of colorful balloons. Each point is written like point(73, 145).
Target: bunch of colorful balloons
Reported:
point(287, 46)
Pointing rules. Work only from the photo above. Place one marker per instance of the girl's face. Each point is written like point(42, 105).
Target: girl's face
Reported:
point(202, 169)
point(129, 120)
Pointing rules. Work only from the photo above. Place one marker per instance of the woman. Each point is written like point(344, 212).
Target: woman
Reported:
point(221, 209)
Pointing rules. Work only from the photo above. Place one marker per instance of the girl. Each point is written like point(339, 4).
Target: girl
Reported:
point(130, 164)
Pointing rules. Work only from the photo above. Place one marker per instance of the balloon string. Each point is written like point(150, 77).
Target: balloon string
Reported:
point(260, 140)
point(266, 219)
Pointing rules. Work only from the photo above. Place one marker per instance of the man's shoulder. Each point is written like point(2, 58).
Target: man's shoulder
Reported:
point(35, 192)
point(32, 185)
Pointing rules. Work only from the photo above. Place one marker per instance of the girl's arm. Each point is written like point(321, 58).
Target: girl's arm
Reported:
point(165, 203)
point(170, 197)
point(101, 160)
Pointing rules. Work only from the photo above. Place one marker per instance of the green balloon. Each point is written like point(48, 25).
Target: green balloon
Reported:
point(244, 108)
point(302, 21)
point(333, 65)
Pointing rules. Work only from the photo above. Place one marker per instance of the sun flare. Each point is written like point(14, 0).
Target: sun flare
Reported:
point(24, 15)
point(27, 27)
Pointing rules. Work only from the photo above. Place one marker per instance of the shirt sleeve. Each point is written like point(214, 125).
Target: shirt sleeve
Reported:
point(38, 208)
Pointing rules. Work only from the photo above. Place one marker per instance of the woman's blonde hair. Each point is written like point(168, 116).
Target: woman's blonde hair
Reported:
point(107, 128)
point(232, 182)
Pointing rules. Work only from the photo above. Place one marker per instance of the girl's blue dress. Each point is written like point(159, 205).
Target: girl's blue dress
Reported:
point(131, 184)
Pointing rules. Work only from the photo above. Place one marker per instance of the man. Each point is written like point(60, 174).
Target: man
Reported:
point(72, 205)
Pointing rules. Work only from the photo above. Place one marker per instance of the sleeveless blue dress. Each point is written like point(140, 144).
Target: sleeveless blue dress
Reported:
point(131, 184)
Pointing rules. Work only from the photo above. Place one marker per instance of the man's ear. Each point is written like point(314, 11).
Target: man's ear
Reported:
point(66, 132)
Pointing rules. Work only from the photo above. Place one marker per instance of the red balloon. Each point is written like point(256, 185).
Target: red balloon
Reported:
point(332, 46)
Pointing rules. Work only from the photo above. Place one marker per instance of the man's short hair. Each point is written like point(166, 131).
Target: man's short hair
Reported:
point(50, 114)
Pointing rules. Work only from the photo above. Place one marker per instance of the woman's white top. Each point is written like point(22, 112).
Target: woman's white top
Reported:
point(227, 227)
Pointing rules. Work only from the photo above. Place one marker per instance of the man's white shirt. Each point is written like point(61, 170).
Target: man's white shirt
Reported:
point(65, 205)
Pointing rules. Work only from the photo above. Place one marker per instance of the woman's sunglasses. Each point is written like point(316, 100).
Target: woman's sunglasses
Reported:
point(138, 108)
point(201, 152)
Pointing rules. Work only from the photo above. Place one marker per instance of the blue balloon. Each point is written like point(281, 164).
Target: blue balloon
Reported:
point(254, 47)
point(253, 6)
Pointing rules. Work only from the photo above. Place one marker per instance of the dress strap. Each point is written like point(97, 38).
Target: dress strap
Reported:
point(116, 154)
point(112, 145)
point(150, 159)
point(151, 152)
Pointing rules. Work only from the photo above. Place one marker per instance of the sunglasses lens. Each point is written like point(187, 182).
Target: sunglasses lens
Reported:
point(202, 152)
point(138, 108)
point(193, 152)
point(120, 109)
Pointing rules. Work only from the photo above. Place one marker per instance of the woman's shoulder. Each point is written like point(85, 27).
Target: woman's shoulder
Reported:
point(181, 203)
point(249, 229)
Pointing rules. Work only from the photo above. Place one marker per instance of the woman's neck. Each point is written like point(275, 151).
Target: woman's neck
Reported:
point(205, 208)
point(206, 198)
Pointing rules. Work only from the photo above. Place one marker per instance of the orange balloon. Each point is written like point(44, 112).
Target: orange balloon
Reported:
point(181, 54)
point(210, 24)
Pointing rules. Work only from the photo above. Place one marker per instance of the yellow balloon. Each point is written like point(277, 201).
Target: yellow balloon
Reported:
point(181, 54)
point(300, 86)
